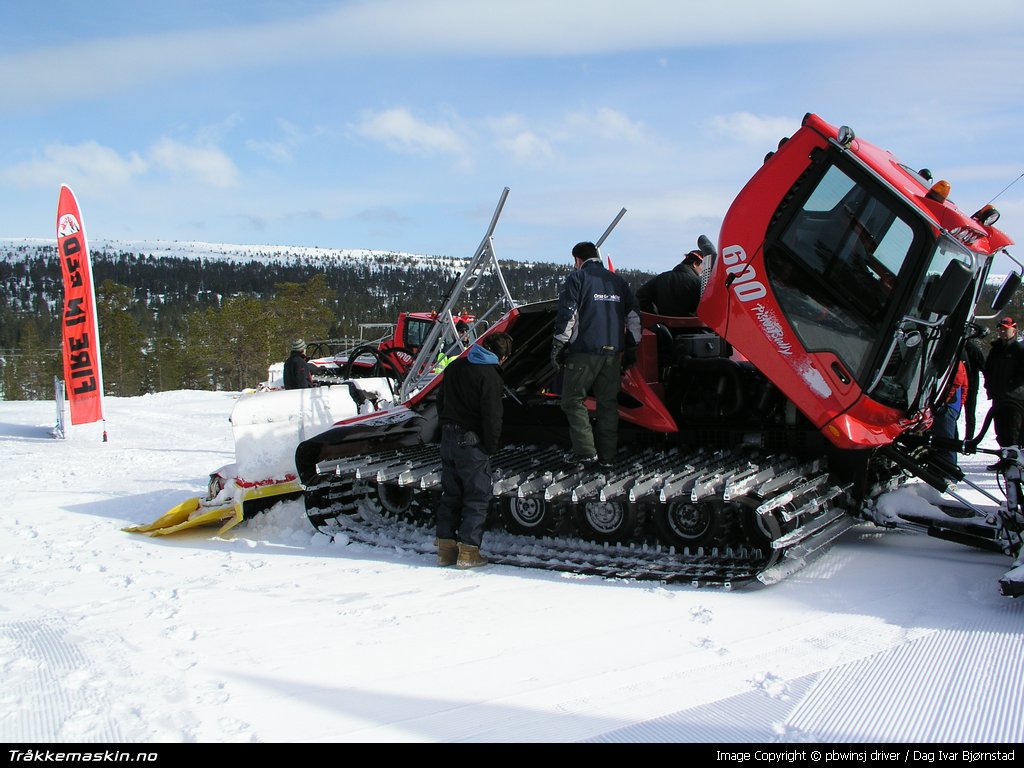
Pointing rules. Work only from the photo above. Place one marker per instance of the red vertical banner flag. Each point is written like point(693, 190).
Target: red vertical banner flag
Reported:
point(83, 373)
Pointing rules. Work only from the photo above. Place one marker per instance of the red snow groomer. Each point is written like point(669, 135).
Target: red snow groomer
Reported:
point(392, 354)
point(833, 309)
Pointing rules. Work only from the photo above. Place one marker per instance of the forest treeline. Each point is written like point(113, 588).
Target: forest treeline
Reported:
point(172, 322)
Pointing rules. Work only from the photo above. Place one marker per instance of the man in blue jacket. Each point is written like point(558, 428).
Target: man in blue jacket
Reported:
point(470, 412)
point(597, 330)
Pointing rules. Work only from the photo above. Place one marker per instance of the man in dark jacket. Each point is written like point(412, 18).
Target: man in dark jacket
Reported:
point(1004, 384)
point(597, 330)
point(296, 368)
point(675, 293)
point(469, 410)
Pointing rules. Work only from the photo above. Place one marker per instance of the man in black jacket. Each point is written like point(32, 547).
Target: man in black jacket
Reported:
point(1004, 384)
point(469, 410)
point(974, 361)
point(597, 330)
point(296, 368)
point(675, 293)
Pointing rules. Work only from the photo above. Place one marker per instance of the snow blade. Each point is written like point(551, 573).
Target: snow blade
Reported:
point(174, 516)
point(239, 505)
point(192, 513)
point(229, 515)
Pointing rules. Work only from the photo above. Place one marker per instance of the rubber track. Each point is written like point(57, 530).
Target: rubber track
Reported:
point(613, 561)
point(805, 507)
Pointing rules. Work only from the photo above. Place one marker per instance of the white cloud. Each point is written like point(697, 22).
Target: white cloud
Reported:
point(389, 28)
point(583, 27)
point(205, 164)
point(527, 147)
point(514, 137)
point(399, 130)
point(753, 129)
point(87, 163)
point(282, 149)
point(1006, 172)
point(277, 151)
point(667, 206)
point(536, 145)
point(214, 133)
point(102, 168)
point(604, 123)
point(616, 126)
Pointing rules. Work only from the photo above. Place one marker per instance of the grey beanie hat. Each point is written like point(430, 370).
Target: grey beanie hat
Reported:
point(298, 345)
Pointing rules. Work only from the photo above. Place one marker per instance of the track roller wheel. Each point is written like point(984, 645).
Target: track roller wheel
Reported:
point(607, 521)
point(396, 500)
point(761, 531)
point(687, 523)
point(531, 516)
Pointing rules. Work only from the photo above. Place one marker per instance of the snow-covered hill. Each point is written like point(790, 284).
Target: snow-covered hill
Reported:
point(276, 634)
point(240, 253)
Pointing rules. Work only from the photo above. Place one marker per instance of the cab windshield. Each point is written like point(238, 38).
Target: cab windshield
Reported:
point(912, 365)
point(416, 331)
point(835, 269)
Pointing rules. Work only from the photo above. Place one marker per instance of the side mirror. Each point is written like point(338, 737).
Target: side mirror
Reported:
point(944, 294)
point(1009, 287)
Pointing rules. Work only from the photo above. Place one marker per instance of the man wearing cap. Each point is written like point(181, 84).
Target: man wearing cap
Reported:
point(597, 330)
point(675, 293)
point(296, 368)
point(1004, 383)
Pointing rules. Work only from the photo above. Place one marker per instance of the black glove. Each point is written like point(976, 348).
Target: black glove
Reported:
point(558, 354)
point(628, 358)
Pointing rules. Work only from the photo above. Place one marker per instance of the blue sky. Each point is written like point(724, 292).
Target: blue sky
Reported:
point(395, 124)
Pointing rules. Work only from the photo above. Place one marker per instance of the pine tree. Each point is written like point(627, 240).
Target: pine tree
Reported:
point(121, 340)
point(173, 322)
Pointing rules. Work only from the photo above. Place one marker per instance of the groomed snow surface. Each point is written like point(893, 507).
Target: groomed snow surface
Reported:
point(276, 634)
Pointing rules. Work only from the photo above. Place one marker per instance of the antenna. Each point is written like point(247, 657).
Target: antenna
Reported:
point(1006, 188)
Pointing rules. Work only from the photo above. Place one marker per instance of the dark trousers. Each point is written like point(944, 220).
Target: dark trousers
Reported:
point(602, 375)
point(970, 406)
point(945, 426)
point(465, 487)
point(1008, 417)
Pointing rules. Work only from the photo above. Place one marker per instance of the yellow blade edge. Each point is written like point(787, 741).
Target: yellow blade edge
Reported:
point(183, 516)
point(208, 517)
point(232, 521)
point(174, 516)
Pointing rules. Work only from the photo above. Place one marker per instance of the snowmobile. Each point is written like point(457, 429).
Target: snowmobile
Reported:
point(833, 308)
